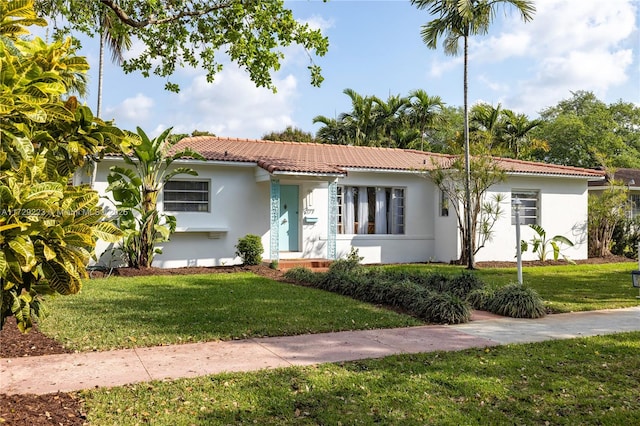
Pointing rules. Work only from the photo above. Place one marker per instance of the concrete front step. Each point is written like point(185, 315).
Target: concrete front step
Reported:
point(316, 265)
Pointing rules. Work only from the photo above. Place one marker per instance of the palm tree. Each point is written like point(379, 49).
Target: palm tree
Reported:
point(457, 19)
point(516, 134)
point(118, 41)
point(333, 131)
point(425, 112)
point(486, 127)
point(360, 121)
point(387, 119)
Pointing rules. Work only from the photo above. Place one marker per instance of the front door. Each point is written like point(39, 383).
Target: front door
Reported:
point(288, 231)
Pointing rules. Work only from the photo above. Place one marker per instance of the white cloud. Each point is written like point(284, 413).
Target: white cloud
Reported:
point(136, 109)
point(233, 106)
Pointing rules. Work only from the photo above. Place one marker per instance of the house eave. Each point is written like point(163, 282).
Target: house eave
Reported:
point(556, 175)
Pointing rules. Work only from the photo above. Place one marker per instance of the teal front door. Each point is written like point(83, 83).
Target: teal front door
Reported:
point(288, 231)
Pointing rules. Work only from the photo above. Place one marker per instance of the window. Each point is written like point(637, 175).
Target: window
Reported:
point(528, 207)
point(444, 204)
point(634, 199)
point(370, 210)
point(186, 196)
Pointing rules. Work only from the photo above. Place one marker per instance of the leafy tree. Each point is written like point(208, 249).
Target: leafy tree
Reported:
point(290, 134)
point(458, 19)
point(48, 229)
point(333, 131)
point(195, 32)
point(135, 190)
point(484, 213)
point(584, 131)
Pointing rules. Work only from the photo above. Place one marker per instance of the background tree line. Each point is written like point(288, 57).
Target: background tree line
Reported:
point(579, 131)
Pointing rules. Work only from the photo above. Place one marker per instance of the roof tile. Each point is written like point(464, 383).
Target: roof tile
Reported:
point(300, 157)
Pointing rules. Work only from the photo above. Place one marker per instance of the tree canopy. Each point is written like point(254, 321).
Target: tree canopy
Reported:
point(195, 33)
point(584, 131)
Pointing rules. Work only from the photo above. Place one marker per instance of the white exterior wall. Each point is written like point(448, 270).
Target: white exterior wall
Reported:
point(562, 211)
point(238, 206)
point(417, 244)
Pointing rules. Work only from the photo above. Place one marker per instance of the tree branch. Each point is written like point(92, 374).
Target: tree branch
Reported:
point(126, 19)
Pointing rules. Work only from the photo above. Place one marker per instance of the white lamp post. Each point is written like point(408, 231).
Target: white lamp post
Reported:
point(516, 206)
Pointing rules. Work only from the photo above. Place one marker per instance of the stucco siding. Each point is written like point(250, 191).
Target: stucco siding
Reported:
point(562, 211)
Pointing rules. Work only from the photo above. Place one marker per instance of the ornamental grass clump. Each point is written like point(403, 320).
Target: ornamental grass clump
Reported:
point(464, 284)
point(442, 308)
point(480, 298)
point(301, 275)
point(517, 301)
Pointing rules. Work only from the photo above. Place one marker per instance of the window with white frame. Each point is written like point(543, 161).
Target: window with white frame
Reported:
point(529, 206)
point(186, 196)
point(371, 210)
point(634, 200)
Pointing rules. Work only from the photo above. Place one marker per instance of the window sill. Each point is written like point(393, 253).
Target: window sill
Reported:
point(214, 232)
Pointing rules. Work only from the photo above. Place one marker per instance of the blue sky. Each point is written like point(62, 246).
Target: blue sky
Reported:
point(376, 49)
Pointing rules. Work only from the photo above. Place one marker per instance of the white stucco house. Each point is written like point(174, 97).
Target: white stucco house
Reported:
point(318, 201)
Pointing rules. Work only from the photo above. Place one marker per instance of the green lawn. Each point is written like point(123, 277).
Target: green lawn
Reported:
point(565, 288)
point(569, 382)
point(145, 311)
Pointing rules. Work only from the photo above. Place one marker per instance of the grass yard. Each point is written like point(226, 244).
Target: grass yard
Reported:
point(565, 288)
point(123, 312)
point(569, 382)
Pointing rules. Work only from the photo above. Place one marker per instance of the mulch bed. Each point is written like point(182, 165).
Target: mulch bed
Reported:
point(66, 409)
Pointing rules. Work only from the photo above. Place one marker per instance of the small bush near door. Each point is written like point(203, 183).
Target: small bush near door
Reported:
point(250, 249)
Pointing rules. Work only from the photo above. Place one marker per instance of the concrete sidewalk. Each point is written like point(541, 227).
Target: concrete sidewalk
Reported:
point(71, 372)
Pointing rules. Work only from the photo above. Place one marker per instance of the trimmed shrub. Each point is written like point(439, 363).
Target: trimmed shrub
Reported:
point(517, 301)
point(464, 284)
point(301, 274)
point(250, 249)
point(480, 298)
point(442, 308)
point(402, 294)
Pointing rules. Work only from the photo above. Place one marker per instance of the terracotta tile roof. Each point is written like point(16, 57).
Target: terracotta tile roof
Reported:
point(312, 158)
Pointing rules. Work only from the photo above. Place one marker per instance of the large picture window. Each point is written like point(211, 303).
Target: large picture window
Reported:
point(186, 196)
point(371, 210)
point(529, 200)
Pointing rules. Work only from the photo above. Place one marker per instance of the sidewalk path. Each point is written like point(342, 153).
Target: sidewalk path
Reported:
point(71, 372)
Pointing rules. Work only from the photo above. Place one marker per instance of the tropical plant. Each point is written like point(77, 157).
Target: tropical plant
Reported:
point(517, 301)
point(425, 113)
point(135, 191)
point(542, 246)
point(117, 39)
point(48, 229)
point(250, 249)
point(449, 178)
point(457, 19)
point(195, 33)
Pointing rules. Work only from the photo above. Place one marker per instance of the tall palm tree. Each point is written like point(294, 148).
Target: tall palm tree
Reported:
point(118, 42)
point(457, 19)
point(425, 112)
